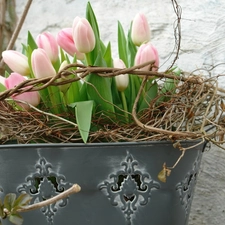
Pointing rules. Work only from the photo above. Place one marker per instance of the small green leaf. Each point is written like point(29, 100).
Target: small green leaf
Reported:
point(62, 55)
point(149, 94)
point(30, 41)
point(169, 86)
point(2, 87)
point(1, 209)
point(9, 201)
point(7, 74)
point(83, 112)
point(108, 56)
point(16, 219)
point(23, 200)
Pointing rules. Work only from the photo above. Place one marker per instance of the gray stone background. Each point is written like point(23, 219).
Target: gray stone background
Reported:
point(202, 46)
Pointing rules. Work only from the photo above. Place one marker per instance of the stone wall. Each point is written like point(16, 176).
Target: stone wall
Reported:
point(203, 45)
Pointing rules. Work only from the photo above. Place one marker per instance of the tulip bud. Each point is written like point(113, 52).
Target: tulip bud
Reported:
point(41, 64)
point(140, 32)
point(16, 61)
point(33, 97)
point(65, 40)
point(48, 42)
point(122, 80)
point(83, 35)
point(147, 52)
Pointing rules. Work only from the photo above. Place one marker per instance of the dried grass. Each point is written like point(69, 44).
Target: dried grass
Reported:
point(193, 110)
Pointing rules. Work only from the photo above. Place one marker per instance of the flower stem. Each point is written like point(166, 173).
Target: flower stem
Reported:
point(88, 59)
point(55, 106)
point(124, 103)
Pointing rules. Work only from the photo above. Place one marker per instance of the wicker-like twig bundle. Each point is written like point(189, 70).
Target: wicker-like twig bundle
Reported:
point(186, 112)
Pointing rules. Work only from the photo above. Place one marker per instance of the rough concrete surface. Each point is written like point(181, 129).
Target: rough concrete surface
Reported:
point(203, 45)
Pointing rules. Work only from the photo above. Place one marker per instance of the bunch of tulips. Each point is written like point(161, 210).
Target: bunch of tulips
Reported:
point(47, 55)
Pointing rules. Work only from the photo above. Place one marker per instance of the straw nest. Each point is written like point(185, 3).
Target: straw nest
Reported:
point(192, 110)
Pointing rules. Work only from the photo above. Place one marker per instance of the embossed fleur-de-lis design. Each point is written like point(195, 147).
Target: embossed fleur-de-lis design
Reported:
point(185, 188)
point(129, 188)
point(44, 183)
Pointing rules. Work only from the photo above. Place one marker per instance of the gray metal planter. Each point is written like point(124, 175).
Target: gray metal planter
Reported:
point(119, 184)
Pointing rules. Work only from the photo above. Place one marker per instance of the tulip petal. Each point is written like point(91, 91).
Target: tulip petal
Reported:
point(41, 64)
point(48, 42)
point(16, 61)
point(32, 97)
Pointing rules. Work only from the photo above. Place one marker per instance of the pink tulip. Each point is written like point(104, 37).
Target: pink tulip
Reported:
point(41, 64)
point(122, 80)
point(32, 98)
point(140, 32)
point(65, 40)
point(147, 52)
point(16, 61)
point(48, 42)
point(83, 35)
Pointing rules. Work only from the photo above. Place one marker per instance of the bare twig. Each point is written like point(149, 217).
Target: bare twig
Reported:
point(177, 30)
point(74, 189)
point(155, 129)
point(34, 84)
point(2, 22)
point(45, 113)
point(17, 29)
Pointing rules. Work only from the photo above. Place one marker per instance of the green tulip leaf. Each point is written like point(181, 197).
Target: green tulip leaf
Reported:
point(30, 41)
point(99, 88)
point(90, 15)
point(132, 90)
point(73, 93)
point(7, 74)
point(16, 219)
point(132, 49)
point(107, 56)
point(83, 112)
point(122, 44)
point(2, 87)
point(62, 55)
point(56, 100)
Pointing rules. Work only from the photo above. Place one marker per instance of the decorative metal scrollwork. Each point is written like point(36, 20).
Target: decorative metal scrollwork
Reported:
point(186, 187)
point(129, 187)
point(44, 184)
